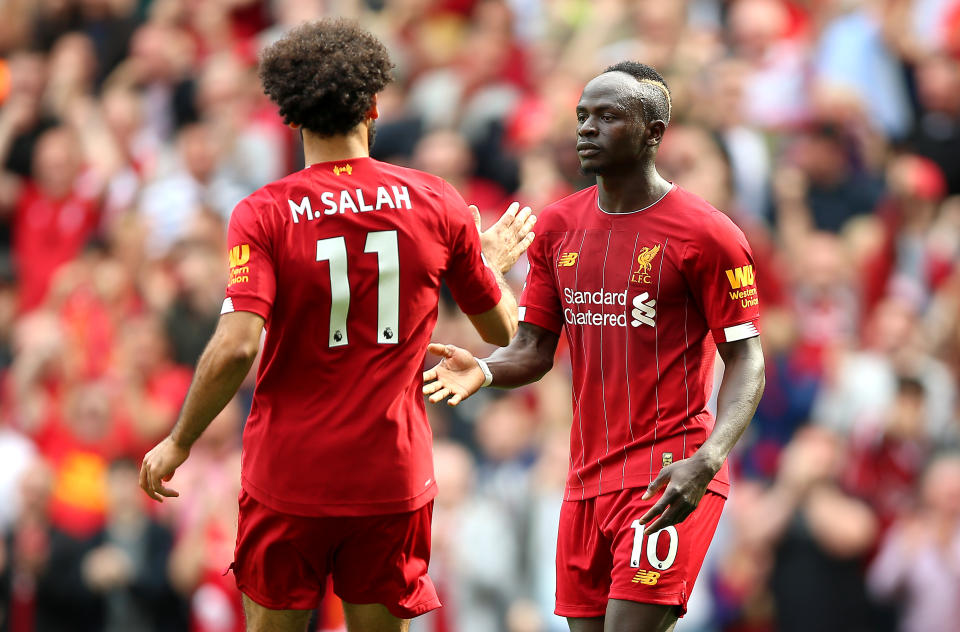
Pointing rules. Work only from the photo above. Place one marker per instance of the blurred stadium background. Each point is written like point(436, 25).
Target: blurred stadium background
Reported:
point(828, 130)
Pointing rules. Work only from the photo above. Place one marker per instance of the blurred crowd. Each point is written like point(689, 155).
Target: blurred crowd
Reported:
point(829, 130)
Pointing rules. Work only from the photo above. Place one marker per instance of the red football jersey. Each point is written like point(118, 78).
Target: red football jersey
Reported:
point(642, 296)
point(344, 260)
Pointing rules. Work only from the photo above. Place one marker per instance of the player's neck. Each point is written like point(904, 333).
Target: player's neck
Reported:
point(631, 190)
point(335, 148)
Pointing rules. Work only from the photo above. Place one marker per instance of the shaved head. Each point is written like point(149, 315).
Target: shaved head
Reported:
point(625, 90)
point(651, 89)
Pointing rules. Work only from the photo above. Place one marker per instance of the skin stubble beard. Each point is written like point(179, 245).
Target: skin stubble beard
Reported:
point(590, 171)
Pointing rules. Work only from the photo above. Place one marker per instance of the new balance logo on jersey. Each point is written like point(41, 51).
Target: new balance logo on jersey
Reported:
point(567, 259)
point(741, 277)
point(347, 169)
point(644, 311)
point(647, 578)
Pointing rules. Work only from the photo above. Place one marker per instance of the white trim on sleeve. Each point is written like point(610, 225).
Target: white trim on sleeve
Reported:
point(227, 306)
point(521, 312)
point(740, 332)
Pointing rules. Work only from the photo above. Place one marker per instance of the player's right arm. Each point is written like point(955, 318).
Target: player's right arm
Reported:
point(528, 356)
point(220, 371)
point(526, 359)
point(231, 351)
point(496, 326)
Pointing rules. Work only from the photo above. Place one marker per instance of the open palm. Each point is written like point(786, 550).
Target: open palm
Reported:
point(457, 376)
point(504, 242)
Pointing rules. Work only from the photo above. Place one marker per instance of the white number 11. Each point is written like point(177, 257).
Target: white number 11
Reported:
point(384, 245)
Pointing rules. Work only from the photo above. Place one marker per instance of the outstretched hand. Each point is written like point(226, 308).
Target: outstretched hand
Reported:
point(158, 467)
point(504, 242)
point(686, 482)
point(457, 376)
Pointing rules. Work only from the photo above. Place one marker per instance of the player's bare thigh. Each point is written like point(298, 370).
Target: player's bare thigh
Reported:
point(372, 617)
point(261, 619)
point(628, 616)
point(359, 617)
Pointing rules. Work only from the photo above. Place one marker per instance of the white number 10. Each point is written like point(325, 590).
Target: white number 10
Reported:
point(655, 561)
point(384, 245)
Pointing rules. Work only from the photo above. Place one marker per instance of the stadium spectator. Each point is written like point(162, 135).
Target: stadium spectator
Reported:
point(886, 457)
point(818, 537)
point(54, 215)
point(128, 568)
point(834, 183)
point(916, 565)
point(49, 591)
point(447, 154)
point(478, 558)
point(774, 70)
point(199, 180)
point(936, 132)
point(856, 54)
point(862, 383)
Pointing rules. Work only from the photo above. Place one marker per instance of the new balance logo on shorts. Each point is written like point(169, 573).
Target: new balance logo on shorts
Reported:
point(643, 310)
point(647, 578)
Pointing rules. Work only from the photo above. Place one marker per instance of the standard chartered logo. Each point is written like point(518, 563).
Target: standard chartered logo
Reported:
point(643, 312)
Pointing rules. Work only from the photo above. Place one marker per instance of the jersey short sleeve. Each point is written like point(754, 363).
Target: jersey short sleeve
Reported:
point(720, 270)
point(252, 284)
point(539, 301)
point(471, 282)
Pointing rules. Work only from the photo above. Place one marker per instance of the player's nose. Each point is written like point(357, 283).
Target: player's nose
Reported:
point(587, 128)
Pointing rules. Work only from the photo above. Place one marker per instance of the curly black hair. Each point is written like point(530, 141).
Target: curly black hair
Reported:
point(656, 95)
point(324, 75)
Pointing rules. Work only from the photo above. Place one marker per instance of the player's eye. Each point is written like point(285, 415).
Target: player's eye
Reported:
point(607, 118)
point(581, 117)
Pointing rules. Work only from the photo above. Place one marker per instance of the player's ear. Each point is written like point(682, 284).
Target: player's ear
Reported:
point(655, 131)
point(293, 125)
point(374, 112)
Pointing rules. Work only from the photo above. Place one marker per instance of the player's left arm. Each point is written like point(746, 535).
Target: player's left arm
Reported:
point(719, 268)
point(686, 481)
point(220, 371)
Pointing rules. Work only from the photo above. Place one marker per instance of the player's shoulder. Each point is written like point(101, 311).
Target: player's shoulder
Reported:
point(278, 190)
point(428, 183)
point(701, 218)
point(443, 201)
point(261, 202)
point(565, 212)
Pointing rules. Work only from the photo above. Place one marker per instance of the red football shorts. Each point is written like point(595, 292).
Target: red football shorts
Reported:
point(282, 561)
point(602, 553)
